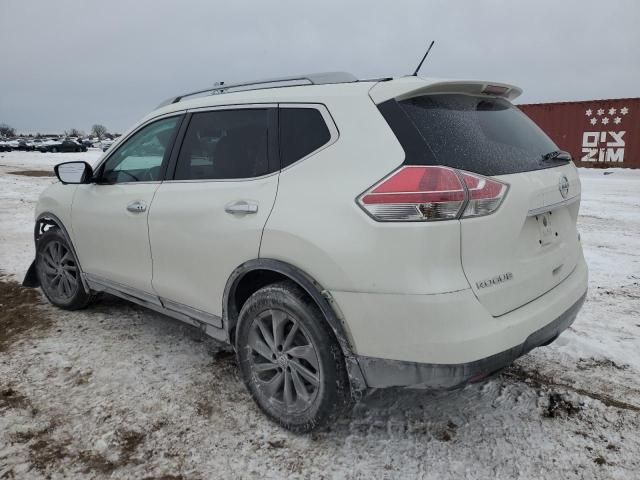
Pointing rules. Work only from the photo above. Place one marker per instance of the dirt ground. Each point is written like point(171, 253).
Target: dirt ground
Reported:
point(33, 173)
point(21, 313)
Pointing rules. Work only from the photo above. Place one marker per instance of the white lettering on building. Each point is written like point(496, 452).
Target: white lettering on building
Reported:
point(604, 146)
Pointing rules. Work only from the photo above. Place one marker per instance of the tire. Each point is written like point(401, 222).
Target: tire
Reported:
point(55, 260)
point(310, 363)
point(54, 150)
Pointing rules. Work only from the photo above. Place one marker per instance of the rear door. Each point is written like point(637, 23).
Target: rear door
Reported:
point(208, 217)
point(530, 243)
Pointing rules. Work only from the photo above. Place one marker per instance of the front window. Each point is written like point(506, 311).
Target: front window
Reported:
point(141, 157)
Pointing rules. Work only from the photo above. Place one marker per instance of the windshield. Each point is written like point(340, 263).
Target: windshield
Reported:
point(485, 135)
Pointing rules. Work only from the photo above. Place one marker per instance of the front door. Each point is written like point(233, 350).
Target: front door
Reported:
point(109, 217)
point(209, 218)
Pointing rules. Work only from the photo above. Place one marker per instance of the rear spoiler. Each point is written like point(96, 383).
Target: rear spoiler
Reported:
point(408, 87)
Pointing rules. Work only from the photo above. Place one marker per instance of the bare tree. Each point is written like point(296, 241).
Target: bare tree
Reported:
point(74, 132)
point(99, 130)
point(7, 131)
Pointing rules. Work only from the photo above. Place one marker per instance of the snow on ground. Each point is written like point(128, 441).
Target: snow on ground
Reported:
point(18, 194)
point(117, 391)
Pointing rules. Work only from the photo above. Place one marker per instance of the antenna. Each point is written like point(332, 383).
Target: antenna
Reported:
point(415, 74)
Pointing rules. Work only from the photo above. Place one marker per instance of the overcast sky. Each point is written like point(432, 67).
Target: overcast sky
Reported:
point(73, 63)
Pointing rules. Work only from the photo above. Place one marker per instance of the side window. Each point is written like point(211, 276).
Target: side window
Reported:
point(302, 131)
point(140, 158)
point(224, 144)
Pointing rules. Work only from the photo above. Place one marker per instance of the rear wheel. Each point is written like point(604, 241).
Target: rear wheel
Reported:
point(58, 272)
point(289, 359)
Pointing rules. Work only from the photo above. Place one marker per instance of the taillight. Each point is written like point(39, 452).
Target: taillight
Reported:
point(426, 193)
point(485, 194)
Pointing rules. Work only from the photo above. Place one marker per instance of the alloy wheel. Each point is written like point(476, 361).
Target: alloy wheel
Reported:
point(59, 271)
point(284, 361)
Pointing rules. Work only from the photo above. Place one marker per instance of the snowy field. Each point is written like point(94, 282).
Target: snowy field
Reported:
point(117, 391)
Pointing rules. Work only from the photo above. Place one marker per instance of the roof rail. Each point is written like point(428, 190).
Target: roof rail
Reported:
point(309, 79)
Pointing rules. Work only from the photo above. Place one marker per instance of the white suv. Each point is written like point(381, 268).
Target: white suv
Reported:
point(341, 234)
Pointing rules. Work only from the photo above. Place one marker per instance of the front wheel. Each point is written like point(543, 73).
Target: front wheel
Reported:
point(289, 359)
point(58, 272)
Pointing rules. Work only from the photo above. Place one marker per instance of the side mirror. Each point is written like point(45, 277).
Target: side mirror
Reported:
point(74, 172)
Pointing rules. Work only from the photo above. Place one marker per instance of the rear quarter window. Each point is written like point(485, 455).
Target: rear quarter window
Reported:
point(302, 131)
point(485, 135)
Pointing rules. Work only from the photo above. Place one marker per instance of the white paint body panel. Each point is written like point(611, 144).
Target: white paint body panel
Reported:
point(196, 244)
point(317, 226)
point(57, 199)
point(449, 328)
point(509, 241)
point(111, 241)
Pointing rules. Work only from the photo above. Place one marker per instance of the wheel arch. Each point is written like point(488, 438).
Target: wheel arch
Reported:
point(254, 274)
point(44, 222)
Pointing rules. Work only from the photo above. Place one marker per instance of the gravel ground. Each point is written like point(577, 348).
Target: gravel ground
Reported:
point(117, 391)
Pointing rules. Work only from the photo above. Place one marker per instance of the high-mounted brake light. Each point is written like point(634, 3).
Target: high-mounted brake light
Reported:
point(427, 193)
point(495, 89)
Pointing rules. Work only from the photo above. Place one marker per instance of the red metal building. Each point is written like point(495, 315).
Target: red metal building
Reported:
point(597, 133)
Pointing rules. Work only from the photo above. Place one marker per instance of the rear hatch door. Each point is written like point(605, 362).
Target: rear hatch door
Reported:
point(530, 243)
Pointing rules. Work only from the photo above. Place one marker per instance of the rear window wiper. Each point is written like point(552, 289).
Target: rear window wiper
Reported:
point(557, 155)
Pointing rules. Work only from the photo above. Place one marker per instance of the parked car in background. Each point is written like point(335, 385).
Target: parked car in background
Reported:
point(341, 235)
point(25, 145)
point(36, 143)
point(66, 145)
point(105, 144)
point(5, 147)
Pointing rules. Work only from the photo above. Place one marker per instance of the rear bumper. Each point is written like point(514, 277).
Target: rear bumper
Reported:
point(380, 372)
point(444, 340)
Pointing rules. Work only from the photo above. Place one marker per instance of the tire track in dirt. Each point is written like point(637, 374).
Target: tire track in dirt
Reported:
point(537, 380)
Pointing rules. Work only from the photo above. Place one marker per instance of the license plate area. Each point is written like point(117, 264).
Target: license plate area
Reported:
point(545, 228)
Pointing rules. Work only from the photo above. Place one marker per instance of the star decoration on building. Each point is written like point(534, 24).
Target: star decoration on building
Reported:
point(613, 115)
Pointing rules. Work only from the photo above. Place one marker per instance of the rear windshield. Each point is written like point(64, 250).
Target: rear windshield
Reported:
point(485, 135)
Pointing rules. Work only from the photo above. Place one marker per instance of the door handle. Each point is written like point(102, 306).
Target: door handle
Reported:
point(137, 207)
point(242, 207)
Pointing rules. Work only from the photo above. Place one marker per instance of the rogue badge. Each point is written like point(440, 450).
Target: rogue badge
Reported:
point(498, 279)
